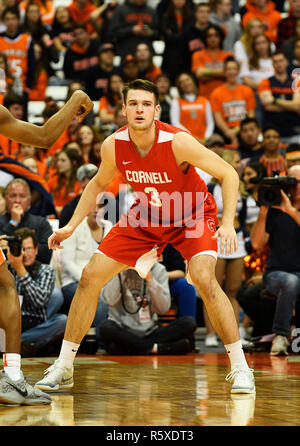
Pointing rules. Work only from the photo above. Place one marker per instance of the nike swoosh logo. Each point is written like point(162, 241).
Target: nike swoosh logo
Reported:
point(24, 394)
point(127, 162)
point(74, 350)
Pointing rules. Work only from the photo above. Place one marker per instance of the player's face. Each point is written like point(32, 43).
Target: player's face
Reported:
point(140, 109)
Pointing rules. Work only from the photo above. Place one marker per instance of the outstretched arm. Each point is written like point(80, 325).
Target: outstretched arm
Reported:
point(78, 105)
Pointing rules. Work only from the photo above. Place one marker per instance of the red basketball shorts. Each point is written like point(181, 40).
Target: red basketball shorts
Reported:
point(140, 247)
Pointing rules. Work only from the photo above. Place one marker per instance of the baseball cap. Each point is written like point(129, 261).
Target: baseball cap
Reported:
point(215, 138)
point(106, 47)
point(86, 171)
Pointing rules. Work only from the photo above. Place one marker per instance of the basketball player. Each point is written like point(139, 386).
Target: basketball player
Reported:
point(157, 160)
point(13, 387)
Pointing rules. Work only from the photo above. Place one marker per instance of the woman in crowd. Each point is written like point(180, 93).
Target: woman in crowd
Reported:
point(95, 153)
point(64, 186)
point(163, 83)
point(288, 46)
point(190, 111)
point(243, 47)
point(61, 32)
point(86, 137)
point(111, 99)
point(41, 76)
point(144, 59)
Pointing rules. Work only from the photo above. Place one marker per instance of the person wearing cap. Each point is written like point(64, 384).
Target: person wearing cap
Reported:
point(98, 75)
point(82, 54)
point(84, 174)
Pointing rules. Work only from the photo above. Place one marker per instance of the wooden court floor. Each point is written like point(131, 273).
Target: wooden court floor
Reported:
point(164, 391)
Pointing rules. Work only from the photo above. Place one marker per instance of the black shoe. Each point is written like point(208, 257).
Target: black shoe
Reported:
point(180, 347)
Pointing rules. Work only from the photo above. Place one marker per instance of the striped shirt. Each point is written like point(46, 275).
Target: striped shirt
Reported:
point(35, 291)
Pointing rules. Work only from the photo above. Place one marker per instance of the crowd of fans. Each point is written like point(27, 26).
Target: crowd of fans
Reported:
point(226, 73)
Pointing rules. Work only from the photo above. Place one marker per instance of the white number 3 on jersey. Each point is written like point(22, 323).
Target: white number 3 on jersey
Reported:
point(155, 200)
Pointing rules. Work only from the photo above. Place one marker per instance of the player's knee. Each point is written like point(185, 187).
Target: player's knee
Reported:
point(203, 280)
point(88, 275)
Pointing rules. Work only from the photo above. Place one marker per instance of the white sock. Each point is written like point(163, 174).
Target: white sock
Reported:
point(68, 352)
point(12, 365)
point(236, 354)
point(154, 349)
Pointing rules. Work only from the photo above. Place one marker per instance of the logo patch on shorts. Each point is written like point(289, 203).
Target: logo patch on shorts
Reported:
point(211, 224)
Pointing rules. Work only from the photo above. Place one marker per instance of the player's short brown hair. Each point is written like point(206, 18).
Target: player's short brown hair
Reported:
point(141, 84)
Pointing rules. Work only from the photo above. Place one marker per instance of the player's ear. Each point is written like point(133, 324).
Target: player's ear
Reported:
point(123, 109)
point(157, 110)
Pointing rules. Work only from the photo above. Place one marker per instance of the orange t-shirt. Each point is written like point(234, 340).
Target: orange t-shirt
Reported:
point(16, 51)
point(205, 59)
point(270, 18)
point(114, 186)
point(83, 15)
point(59, 143)
point(152, 74)
point(274, 165)
point(60, 197)
point(193, 115)
point(47, 12)
point(233, 104)
point(8, 146)
point(105, 105)
point(38, 93)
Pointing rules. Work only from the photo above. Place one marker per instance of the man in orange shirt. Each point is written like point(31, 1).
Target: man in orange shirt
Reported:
point(207, 64)
point(232, 102)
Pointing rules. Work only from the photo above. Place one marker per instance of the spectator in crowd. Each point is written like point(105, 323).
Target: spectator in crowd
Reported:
point(85, 137)
point(9, 78)
point(183, 292)
point(38, 31)
point(286, 26)
point(190, 111)
point(18, 48)
point(288, 46)
point(95, 153)
point(250, 147)
point(163, 83)
point(51, 108)
point(292, 155)
point(174, 22)
point(207, 64)
point(18, 198)
point(193, 39)
point(264, 10)
point(26, 150)
point(81, 11)
point(229, 268)
point(280, 101)
point(132, 326)
point(84, 174)
point(109, 101)
point(133, 22)
point(243, 47)
point(78, 249)
point(41, 322)
point(232, 102)
point(271, 158)
point(97, 76)
point(295, 62)
point(41, 75)
point(82, 54)
point(61, 29)
point(144, 58)
point(64, 186)
point(16, 105)
point(282, 275)
point(119, 119)
point(2, 201)
point(222, 16)
point(31, 164)
point(103, 27)
point(130, 69)
point(46, 8)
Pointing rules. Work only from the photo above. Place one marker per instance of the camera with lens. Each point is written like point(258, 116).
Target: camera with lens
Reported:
point(269, 191)
point(15, 244)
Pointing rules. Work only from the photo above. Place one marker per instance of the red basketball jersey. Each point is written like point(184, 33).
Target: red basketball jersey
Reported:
point(165, 194)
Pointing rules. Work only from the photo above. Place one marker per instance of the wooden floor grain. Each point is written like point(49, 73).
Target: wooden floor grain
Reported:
point(169, 391)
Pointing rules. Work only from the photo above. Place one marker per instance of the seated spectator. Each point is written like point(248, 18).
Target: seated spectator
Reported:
point(85, 138)
point(119, 120)
point(31, 164)
point(84, 174)
point(133, 22)
point(9, 78)
point(173, 23)
point(106, 12)
point(295, 62)
point(40, 302)
point(243, 47)
point(64, 185)
point(264, 10)
point(280, 102)
point(46, 8)
point(111, 99)
point(232, 102)
point(61, 29)
point(2, 201)
point(98, 75)
point(208, 64)
point(288, 46)
point(50, 109)
point(282, 275)
point(286, 26)
point(144, 58)
point(132, 327)
point(18, 199)
point(222, 16)
point(164, 84)
point(78, 249)
point(82, 54)
point(95, 153)
point(271, 158)
point(192, 39)
point(190, 111)
point(130, 69)
point(250, 147)
point(16, 105)
point(35, 153)
point(292, 155)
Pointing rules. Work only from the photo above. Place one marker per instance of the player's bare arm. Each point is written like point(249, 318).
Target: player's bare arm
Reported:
point(79, 105)
point(106, 173)
point(188, 150)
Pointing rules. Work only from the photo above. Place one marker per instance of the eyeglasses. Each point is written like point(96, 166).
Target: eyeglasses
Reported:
point(29, 249)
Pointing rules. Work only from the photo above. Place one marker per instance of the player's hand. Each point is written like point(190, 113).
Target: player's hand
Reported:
point(85, 107)
point(228, 239)
point(58, 236)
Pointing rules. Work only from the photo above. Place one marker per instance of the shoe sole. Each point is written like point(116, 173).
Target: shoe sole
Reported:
point(281, 353)
point(54, 389)
point(15, 401)
point(243, 391)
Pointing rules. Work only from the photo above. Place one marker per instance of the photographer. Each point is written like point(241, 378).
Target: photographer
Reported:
point(41, 324)
point(280, 227)
point(132, 326)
